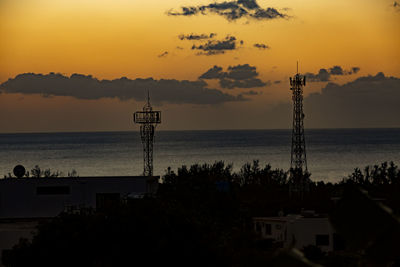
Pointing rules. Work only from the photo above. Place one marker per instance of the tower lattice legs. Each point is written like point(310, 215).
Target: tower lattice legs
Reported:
point(147, 135)
point(299, 177)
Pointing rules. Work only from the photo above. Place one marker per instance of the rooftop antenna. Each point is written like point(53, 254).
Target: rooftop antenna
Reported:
point(298, 162)
point(148, 120)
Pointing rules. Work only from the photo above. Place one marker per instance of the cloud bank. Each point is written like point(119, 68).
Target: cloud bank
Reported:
point(369, 101)
point(239, 76)
point(324, 75)
point(231, 10)
point(87, 87)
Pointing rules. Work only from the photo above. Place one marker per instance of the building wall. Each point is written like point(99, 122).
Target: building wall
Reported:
point(296, 230)
point(269, 228)
point(47, 197)
point(307, 231)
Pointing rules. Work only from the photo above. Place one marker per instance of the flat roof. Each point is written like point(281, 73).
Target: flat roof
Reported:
point(76, 178)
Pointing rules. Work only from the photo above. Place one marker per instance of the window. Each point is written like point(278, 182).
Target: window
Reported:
point(53, 190)
point(322, 240)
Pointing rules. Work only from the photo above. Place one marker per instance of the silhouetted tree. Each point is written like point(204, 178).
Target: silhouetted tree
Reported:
point(37, 172)
point(73, 173)
point(191, 222)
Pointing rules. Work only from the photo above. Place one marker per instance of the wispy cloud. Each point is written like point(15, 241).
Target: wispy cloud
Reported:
point(164, 54)
point(195, 37)
point(261, 46)
point(215, 47)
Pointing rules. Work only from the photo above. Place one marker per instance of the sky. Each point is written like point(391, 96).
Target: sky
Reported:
point(86, 65)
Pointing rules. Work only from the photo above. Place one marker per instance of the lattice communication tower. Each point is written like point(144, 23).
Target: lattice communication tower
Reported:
point(148, 120)
point(298, 155)
point(298, 164)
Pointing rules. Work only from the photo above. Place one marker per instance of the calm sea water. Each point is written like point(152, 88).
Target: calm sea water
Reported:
point(332, 154)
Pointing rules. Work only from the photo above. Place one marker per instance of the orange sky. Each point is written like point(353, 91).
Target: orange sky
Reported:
point(110, 39)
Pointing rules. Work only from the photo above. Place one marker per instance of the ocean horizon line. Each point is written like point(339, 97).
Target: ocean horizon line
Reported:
point(201, 130)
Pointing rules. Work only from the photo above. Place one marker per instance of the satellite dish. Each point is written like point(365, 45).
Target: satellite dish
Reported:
point(19, 171)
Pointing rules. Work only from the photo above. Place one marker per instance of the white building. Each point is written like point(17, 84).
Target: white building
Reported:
point(298, 231)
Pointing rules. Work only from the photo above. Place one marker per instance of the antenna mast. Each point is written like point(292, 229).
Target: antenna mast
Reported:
point(298, 162)
point(148, 120)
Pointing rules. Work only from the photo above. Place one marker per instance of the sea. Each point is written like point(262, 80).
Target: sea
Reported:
point(332, 154)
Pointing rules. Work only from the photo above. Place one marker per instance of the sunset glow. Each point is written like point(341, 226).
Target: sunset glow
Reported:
point(113, 39)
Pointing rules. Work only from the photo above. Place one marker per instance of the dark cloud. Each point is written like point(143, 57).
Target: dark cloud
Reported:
point(232, 10)
point(355, 69)
point(185, 11)
point(324, 75)
point(241, 72)
point(215, 47)
point(336, 70)
point(396, 6)
point(369, 101)
point(269, 13)
point(261, 46)
point(213, 73)
point(164, 54)
point(239, 76)
point(250, 4)
point(87, 87)
point(196, 36)
point(251, 92)
point(247, 83)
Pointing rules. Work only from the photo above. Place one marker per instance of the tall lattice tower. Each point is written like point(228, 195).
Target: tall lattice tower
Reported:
point(298, 157)
point(148, 120)
point(298, 163)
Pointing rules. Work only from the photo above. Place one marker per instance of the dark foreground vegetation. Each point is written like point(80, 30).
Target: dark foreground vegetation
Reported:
point(202, 216)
